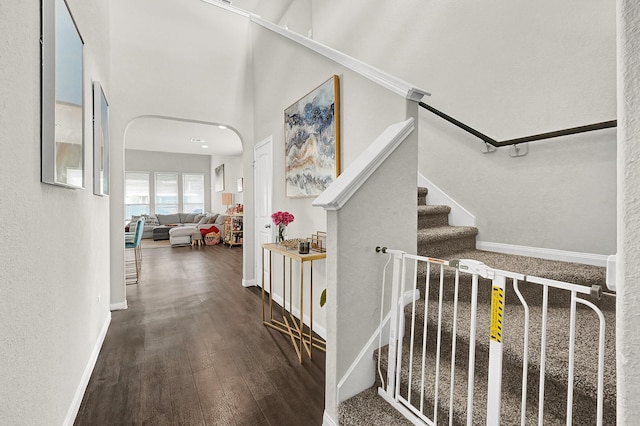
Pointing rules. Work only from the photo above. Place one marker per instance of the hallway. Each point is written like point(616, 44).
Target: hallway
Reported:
point(191, 350)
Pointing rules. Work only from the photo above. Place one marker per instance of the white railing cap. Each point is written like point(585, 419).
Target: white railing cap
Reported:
point(386, 80)
point(341, 190)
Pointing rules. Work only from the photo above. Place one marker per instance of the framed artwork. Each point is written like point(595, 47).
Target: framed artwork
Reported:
point(62, 106)
point(100, 141)
point(312, 141)
point(219, 186)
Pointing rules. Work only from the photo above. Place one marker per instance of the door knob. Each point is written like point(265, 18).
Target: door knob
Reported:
point(268, 225)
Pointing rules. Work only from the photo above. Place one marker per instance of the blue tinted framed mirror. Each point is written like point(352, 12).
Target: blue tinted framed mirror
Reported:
point(100, 141)
point(62, 130)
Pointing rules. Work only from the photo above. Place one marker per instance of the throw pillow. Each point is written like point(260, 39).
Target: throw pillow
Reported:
point(189, 218)
point(213, 218)
point(212, 238)
point(150, 220)
point(208, 230)
point(168, 219)
point(220, 220)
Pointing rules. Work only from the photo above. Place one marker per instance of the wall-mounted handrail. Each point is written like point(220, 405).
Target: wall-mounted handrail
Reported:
point(516, 141)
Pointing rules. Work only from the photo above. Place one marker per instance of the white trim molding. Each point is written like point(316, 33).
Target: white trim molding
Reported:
point(119, 306)
point(358, 376)
point(229, 7)
point(545, 253)
point(86, 375)
point(394, 84)
point(348, 183)
point(327, 420)
point(459, 216)
point(248, 283)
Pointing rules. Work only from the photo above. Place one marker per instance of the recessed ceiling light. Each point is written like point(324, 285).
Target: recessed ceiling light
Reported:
point(221, 126)
point(205, 146)
point(197, 140)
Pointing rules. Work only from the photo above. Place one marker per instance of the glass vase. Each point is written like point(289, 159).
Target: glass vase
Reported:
point(282, 233)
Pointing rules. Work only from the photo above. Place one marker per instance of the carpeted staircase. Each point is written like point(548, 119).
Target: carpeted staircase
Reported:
point(436, 238)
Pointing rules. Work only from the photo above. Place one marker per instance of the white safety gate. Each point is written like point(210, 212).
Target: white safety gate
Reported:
point(446, 349)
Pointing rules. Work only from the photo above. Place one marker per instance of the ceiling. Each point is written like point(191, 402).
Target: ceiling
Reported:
point(171, 135)
point(166, 134)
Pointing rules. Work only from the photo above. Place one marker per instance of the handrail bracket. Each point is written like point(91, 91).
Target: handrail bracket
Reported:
point(487, 148)
point(519, 150)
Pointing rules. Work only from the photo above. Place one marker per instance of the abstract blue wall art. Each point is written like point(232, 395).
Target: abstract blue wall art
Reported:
point(312, 141)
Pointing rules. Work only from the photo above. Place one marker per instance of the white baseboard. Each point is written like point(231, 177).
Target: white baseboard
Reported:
point(327, 420)
point(544, 253)
point(86, 375)
point(248, 283)
point(120, 306)
point(459, 216)
point(317, 328)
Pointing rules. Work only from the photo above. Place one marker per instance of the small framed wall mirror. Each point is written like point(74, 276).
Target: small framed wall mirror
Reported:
point(62, 130)
point(100, 141)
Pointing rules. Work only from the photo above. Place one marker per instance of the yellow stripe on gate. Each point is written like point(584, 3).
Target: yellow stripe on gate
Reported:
point(497, 301)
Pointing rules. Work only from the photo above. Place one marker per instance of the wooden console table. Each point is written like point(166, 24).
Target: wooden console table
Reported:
point(290, 325)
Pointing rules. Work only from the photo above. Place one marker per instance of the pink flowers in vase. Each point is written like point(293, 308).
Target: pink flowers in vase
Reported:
point(282, 218)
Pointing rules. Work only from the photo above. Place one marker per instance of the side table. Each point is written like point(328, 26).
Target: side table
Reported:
point(302, 341)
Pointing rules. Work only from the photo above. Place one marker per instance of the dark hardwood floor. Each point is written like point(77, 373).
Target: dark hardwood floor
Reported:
point(191, 350)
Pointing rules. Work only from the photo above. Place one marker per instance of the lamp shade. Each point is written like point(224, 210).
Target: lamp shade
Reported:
point(227, 198)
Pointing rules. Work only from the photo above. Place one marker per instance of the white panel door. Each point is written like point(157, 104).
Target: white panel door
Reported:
point(263, 187)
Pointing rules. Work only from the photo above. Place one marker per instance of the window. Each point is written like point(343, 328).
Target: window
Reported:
point(166, 193)
point(193, 193)
point(136, 195)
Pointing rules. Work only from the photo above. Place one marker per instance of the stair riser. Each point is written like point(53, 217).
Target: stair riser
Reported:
point(432, 220)
point(441, 249)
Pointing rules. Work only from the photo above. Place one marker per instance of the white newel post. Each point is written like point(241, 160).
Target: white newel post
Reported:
point(378, 210)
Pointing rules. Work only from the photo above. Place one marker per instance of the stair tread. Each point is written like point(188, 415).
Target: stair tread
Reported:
point(443, 233)
point(368, 408)
point(551, 269)
point(434, 209)
point(510, 408)
point(557, 343)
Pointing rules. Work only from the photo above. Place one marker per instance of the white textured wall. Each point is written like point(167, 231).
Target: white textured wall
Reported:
point(277, 87)
point(233, 170)
point(284, 72)
point(628, 273)
point(55, 251)
point(510, 69)
point(185, 60)
point(297, 18)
